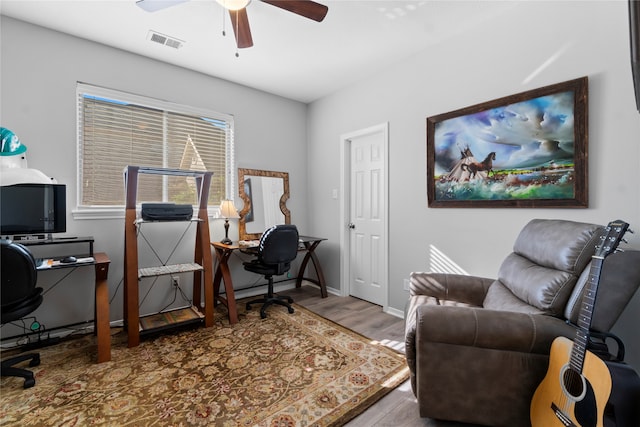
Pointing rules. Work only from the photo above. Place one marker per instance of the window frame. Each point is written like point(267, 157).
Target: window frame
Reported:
point(117, 211)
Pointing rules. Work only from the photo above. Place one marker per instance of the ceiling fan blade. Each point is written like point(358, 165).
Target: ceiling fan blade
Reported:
point(240, 23)
point(307, 8)
point(155, 5)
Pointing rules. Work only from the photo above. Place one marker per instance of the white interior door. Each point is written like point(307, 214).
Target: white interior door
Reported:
point(365, 214)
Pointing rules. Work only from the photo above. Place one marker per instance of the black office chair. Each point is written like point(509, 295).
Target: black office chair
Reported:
point(19, 297)
point(278, 247)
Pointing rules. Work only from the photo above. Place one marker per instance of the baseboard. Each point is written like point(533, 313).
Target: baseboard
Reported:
point(261, 290)
point(394, 312)
point(334, 291)
point(34, 340)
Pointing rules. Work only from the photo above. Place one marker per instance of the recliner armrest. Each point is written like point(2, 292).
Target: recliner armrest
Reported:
point(450, 287)
point(480, 327)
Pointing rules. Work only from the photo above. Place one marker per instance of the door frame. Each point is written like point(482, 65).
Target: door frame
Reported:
point(345, 214)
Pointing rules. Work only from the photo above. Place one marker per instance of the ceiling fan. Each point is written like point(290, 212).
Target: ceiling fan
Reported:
point(238, 13)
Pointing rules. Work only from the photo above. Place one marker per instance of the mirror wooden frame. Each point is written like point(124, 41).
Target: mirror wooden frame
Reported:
point(242, 174)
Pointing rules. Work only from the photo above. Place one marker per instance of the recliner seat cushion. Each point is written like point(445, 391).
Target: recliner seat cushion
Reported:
point(499, 297)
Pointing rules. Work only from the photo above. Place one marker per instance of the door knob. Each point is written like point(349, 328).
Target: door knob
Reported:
point(351, 225)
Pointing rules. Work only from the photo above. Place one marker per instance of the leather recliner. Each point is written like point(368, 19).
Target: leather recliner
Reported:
point(477, 348)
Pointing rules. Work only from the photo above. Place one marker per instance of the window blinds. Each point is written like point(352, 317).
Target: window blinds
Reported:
point(117, 129)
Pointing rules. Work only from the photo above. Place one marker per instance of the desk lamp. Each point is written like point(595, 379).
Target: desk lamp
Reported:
point(227, 210)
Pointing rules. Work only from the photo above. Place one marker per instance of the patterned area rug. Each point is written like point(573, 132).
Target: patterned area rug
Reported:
point(286, 370)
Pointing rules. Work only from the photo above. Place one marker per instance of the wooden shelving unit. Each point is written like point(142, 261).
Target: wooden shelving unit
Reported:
point(201, 311)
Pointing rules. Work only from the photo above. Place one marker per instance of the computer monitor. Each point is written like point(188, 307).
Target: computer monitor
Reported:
point(33, 210)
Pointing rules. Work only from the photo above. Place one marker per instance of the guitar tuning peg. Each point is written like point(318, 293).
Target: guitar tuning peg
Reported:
point(619, 250)
point(630, 231)
point(624, 240)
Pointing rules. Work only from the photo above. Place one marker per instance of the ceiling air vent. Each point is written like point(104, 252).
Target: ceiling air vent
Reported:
point(165, 40)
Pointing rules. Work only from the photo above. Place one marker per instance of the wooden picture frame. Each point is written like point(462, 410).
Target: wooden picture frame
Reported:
point(534, 146)
point(256, 218)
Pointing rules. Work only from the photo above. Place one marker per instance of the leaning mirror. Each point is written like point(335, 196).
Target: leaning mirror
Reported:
point(264, 194)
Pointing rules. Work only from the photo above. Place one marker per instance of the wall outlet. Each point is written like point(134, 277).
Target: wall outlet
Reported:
point(175, 281)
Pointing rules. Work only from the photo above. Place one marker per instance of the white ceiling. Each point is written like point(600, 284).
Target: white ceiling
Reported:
point(292, 56)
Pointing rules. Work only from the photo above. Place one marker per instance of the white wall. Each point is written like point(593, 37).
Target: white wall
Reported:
point(492, 59)
point(39, 71)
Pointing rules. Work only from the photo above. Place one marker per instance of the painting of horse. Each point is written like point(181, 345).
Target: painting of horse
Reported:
point(536, 145)
point(486, 165)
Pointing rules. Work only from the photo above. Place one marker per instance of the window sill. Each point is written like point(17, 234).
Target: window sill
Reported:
point(98, 213)
point(118, 213)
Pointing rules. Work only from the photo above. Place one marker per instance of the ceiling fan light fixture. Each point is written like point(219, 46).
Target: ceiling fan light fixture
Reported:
point(234, 4)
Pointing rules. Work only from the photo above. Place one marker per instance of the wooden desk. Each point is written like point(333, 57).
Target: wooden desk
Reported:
point(223, 252)
point(308, 244)
point(101, 320)
point(101, 308)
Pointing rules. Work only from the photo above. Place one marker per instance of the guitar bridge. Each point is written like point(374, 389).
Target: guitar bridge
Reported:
point(564, 419)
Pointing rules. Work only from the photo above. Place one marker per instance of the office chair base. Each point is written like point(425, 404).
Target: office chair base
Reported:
point(8, 370)
point(282, 300)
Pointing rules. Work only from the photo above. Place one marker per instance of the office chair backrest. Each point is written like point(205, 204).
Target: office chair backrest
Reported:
point(19, 274)
point(279, 246)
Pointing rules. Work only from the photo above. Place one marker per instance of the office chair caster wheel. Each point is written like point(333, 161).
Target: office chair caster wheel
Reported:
point(29, 382)
point(263, 314)
point(290, 310)
point(248, 307)
point(290, 300)
point(35, 360)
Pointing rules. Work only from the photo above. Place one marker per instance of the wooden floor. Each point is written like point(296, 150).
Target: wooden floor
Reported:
point(399, 408)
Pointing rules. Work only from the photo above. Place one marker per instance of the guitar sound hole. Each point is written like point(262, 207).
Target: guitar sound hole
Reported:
point(573, 383)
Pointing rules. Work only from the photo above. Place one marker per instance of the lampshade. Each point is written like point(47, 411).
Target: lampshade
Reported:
point(234, 4)
point(228, 210)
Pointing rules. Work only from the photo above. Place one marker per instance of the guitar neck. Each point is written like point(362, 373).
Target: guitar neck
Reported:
point(586, 313)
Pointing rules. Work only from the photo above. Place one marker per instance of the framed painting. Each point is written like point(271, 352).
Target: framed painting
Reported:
point(523, 150)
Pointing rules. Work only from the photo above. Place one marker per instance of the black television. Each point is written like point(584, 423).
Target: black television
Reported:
point(33, 211)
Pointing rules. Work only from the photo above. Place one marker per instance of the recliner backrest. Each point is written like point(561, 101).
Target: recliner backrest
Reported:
point(548, 256)
point(279, 245)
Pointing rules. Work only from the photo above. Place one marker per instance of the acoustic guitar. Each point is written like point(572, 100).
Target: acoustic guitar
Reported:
point(577, 384)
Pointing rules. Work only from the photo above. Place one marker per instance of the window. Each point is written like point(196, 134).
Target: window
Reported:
point(117, 129)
